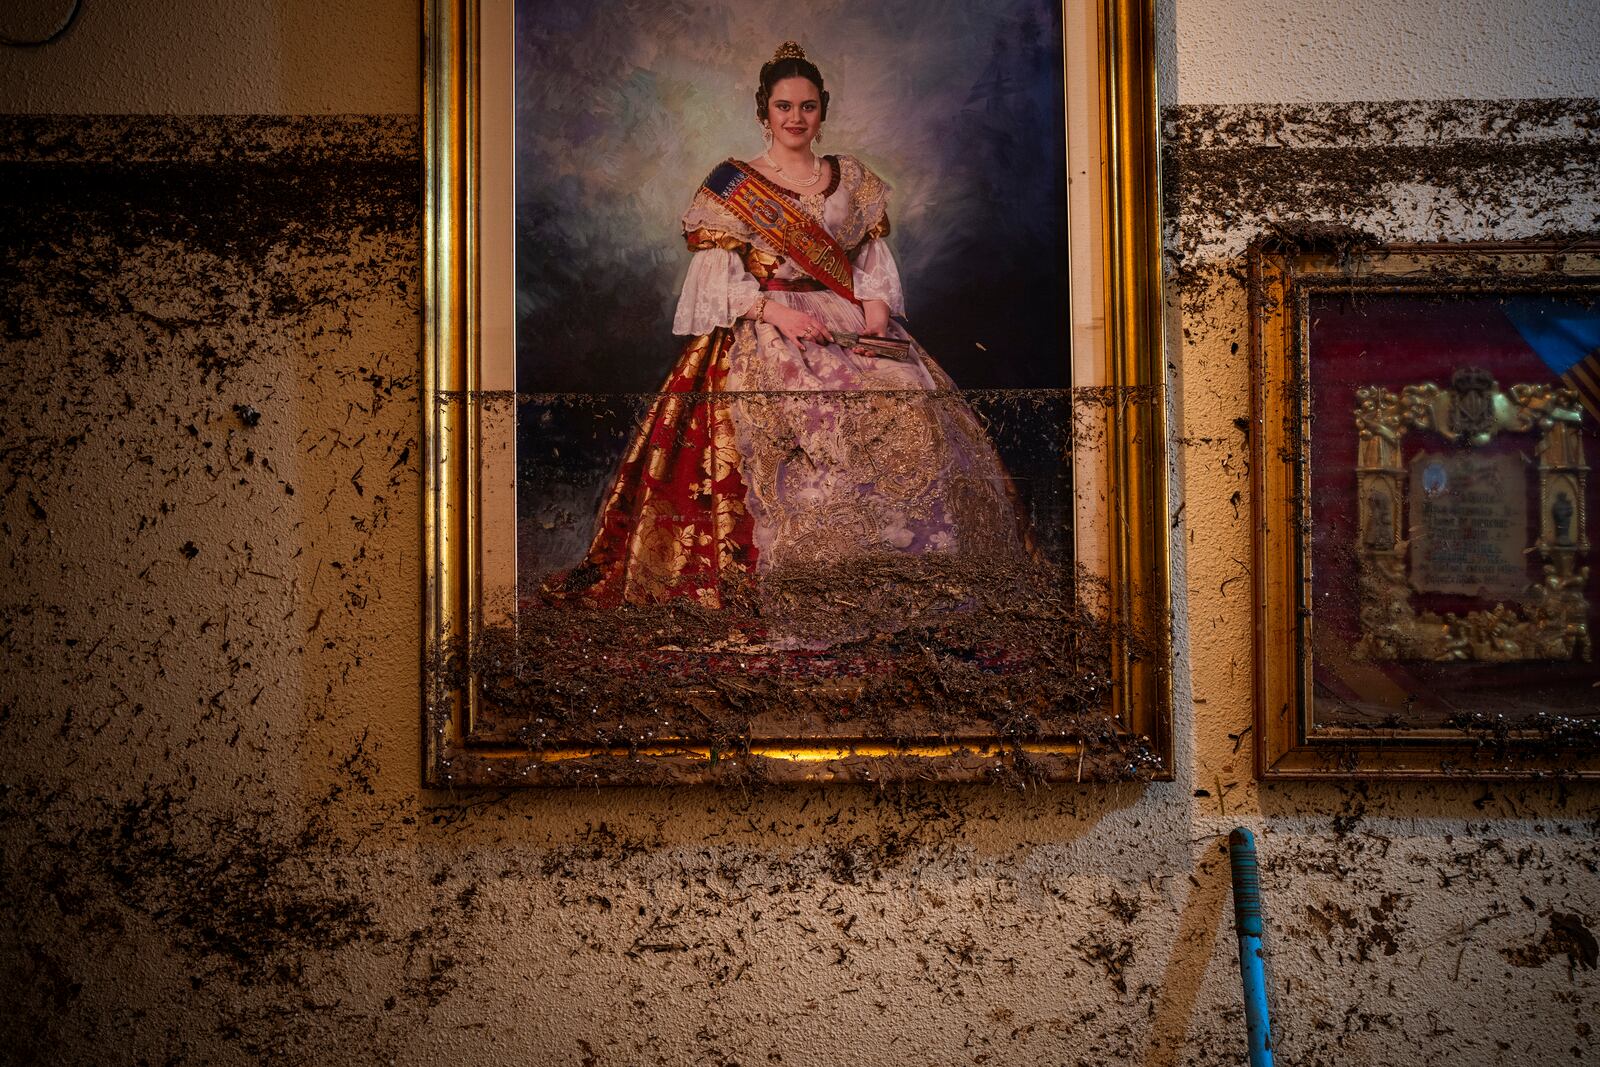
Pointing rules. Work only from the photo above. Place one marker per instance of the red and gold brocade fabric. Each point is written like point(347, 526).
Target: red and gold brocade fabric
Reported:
point(674, 524)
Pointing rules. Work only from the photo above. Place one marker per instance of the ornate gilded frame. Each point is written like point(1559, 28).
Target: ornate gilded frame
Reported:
point(1458, 417)
point(1117, 336)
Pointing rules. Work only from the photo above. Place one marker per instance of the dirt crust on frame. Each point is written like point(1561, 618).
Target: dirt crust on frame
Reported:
point(876, 667)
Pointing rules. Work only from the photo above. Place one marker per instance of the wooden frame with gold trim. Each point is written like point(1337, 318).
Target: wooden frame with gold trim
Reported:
point(1289, 742)
point(1117, 343)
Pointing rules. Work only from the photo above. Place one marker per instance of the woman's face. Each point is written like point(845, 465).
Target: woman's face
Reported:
point(795, 112)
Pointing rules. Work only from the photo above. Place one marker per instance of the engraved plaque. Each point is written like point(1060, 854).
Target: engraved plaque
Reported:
point(1469, 525)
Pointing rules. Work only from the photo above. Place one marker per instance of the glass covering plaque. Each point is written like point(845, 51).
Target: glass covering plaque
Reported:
point(1428, 512)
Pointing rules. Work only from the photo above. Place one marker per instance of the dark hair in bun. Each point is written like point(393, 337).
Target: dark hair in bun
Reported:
point(787, 64)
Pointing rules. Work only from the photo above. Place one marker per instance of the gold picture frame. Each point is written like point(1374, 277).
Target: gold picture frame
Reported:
point(1119, 478)
point(1425, 418)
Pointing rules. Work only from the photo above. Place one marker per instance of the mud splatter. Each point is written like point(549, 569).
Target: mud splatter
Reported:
point(219, 758)
point(1567, 936)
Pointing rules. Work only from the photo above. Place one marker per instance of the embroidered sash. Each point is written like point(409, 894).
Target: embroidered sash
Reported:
point(770, 214)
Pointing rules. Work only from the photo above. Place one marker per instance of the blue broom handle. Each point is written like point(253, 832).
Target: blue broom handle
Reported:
point(1247, 919)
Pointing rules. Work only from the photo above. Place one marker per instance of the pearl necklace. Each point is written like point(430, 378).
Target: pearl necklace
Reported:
point(804, 183)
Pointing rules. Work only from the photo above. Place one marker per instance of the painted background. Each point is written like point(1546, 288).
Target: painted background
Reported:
point(622, 109)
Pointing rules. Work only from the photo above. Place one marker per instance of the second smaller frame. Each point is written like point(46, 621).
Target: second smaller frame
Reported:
point(1425, 422)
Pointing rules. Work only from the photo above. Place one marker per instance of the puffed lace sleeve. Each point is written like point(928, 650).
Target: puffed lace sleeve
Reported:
point(717, 291)
point(877, 277)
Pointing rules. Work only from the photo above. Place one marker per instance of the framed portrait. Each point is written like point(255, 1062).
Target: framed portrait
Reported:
point(793, 402)
point(1426, 418)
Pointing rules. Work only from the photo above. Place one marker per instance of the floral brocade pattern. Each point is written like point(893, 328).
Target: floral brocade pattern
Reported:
point(674, 523)
point(846, 455)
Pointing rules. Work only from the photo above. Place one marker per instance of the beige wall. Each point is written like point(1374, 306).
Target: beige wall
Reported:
point(215, 57)
point(216, 850)
point(293, 57)
point(1258, 51)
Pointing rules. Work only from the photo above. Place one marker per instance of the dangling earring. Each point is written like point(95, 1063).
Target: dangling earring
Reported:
point(766, 135)
point(818, 138)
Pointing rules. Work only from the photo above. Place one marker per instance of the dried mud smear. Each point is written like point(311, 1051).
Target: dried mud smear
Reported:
point(162, 323)
point(889, 650)
point(707, 924)
point(1567, 936)
point(1451, 170)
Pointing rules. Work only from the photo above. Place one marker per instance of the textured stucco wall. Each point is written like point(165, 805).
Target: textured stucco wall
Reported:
point(214, 57)
point(1258, 51)
point(211, 841)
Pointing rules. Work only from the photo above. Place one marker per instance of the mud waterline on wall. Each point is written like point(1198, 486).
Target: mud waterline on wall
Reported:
point(214, 847)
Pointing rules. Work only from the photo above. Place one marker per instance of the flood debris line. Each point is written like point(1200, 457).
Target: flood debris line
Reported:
point(1441, 170)
point(980, 646)
point(893, 650)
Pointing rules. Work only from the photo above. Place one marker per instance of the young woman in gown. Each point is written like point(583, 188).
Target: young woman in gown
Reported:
point(774, 447)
